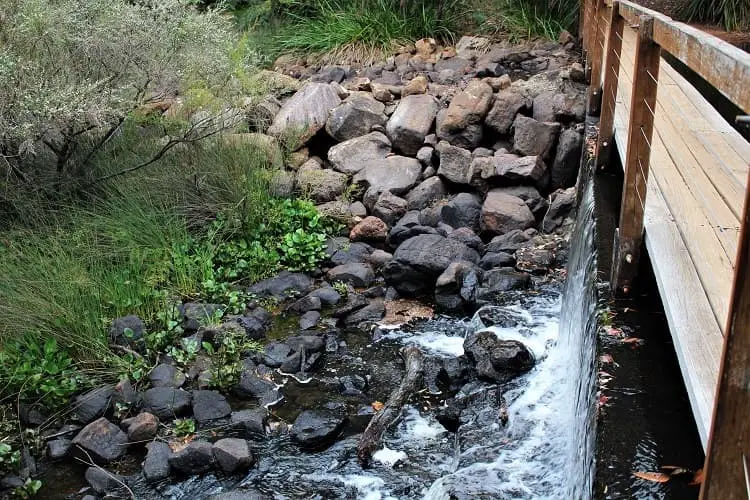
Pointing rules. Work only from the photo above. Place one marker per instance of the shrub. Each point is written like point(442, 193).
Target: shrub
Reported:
point(526, 19)
point(732, 14)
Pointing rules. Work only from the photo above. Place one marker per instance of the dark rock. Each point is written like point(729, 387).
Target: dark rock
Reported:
point(534, 260)
point(535, 201)
point(350, 252)
point(156, 465)
point(379, 258)
point(502, 213)
point(197, 313)
point(309, 320)
point(350, 156)
point(11, 482)
point(256, 323)
point(196, 458)
point(389, 207)
point(282, 286)
point(103, 440)
point(164, 375)
point(563, 203)
point(507, 105)
point(463, 210)
point(374, 311)
point(499, 280)
point(127, 330)
point(275, 353)
point(252, 422)
point(567, 160)
point(458, 65)
point(427, 192)
point(239, 494)
point(529, 170)
point(317, 429)
point(495, 359)
point(103, 481)
point(455, 289)
point(233, 455)
point(92, 404)
point(251, 385)
point(352, 385)
point(534, 138)
point(58, 448)
point(399, 233)
point(32, 414)
point(327, 295)
point(306, 111)
point(552, 106)
point(311, 343)
point(397, 174)
point(491, 260)
point(328, 75)
point(306, 303)
point(209, 405)
point(466, 236)
point(500, 316)
point(354, 301)
point(508, 242)
point(411, 122)
point(357, 274)
point(443, 374)
point(142, 427)
point(167, 402)
point(355, 117)
point(420, 260)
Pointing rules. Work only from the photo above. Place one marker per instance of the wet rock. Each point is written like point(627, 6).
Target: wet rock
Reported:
point(462, 123)
point(350, 156)
point(389, 207)
point(103, 481)
point(239, 494)
point(164, 375)
point(464, 210)
point(455, 163)
point(209, 405)
point(156, 465)
point(127, 330)
point(411, 122)
point(567, 160)
point(309, 320)
point(499, 280)
point(427, 192)
point(352, 385)
point(310, 343)
point(397, 174)
point(500, 316)
point(502, 212)
point(317, 429)
point(142, 427)
point(233, 455)
point(251, 385)
point(534, 260)
point(305, 304)
point(443, 374)
point(372, 312)
point(167, 402)
point(282, 286)
point(563, 203)
point(92, 404)
point(455, 289)
point(534, 138)
point(319, 184)
point(503, 113)
point(255, 323)
point(491, 260)
point(327, 295)
point(508, 242)
point(495, 359)
point(369, 229)
point(355, 117)
point(196, 458)
point(103, 440)
point(420, 260)
point(58, 448)
point(354, 301)
point(357, 274)
point(307, 111)
point(251, 422)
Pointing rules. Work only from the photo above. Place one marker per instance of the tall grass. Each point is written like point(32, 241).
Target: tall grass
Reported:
point(732, 14)
point(529, 19)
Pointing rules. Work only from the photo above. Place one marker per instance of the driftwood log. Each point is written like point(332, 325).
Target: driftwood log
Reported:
point(370, 440)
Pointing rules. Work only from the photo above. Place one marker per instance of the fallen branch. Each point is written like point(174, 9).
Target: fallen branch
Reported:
point(373, 434)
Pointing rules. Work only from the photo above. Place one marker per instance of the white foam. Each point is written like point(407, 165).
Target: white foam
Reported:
point(431, 342)
point(418, 428)
point(389, 457)
point(368, 487)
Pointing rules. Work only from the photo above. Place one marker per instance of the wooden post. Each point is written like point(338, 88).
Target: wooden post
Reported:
point(609, 91)
point(727, 469)
point(629, 235)
point(596, 53)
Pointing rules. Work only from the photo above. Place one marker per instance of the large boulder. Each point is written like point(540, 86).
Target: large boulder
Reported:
point(563, 203)
point(455, 163)
point(507, 105)
point(534, 138)
point(282, 285)
point(319, 184)
point(427, 192)
point(462, 123)
point(195, 458)
point(156, 463)
point(92, 404)
point(418, 262)
point(397, 174)
point(233, 455)
point(355, 117)
point(511, 169)
point(306, 112)
point(411, 122)
point(553, 106)
point(167, 402)
point(502, 212)
point(495, 359)
point(317, 429)
point(567, 160)
point(103, 440)
point(463, 210)
point(210, 405)
point(357, 274)
point(350, 156)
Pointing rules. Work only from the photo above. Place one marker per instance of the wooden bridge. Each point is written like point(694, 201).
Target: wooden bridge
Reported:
point(686, 197)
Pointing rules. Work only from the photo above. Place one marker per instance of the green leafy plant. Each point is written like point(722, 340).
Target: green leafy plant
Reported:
point(226, 356)
point(302, 251)
point(185, 354)
point(341, 288)
point(10, 459)
point(30, 488)
point(184, 427)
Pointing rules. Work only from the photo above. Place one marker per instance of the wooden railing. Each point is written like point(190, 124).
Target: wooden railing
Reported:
point(727, 68)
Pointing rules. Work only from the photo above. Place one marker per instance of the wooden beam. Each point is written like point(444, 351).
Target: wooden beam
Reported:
point(721, 64)
point(727, 469)
point(629, 236)
point(611, 71)
point(596, 54)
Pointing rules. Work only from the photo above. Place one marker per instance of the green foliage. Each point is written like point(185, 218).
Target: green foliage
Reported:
point(731, 14)
point(30, 488)
point(302, 251)
point(226, 355)
point(184, 427)
point(528, 19)
point(10, 459)
point(341, 288)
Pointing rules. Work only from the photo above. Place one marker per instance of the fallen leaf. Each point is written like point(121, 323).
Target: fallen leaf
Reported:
point(633, 340)
point(697, 478)
point(654, 477)
point(377, 406)
point(614, 332)
point(603, 400)
point(606, 359)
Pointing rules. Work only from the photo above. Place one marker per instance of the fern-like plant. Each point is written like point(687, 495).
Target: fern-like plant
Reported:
point(731, 14)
